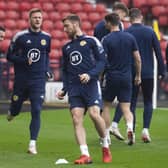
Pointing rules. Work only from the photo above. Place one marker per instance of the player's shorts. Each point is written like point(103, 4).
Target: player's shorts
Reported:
point(85, 95)
point(120, 88)
point(22, 92)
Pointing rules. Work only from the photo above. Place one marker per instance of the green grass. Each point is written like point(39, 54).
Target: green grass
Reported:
point(56, 140)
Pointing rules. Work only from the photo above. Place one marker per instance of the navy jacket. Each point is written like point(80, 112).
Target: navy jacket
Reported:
point(147, 42)
point(84, 54)
point(26, 44)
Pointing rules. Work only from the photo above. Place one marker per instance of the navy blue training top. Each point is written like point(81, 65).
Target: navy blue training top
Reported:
point(147, 41)
point(100, 30)
point(85, 54)
point(26, 44)
point(119, 47)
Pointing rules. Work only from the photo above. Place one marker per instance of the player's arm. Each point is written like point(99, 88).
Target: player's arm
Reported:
point(167, 56)
point(14, 53)
point(99, 54)
point(158, 53)
point(137, 60)
point(49, 74)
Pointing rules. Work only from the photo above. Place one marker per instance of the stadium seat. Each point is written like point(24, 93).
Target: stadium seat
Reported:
point(11, 14)
point(12, 5)
point(56, 73)
point(47, 6)
point(100, 8)
point(94, 17)
point(55, 54)
point(163, 44)
point(22, 24)
point(139, 3)
point(126, 2)
point(2, 5)
point(2, 15)
point(48, 25)
point(4, 45)
point(163, 20)
point(24, 6)
point(58, 25)
point(10, 24)
point(76, 7)
point(153, 2)
point(86, 25)
point(36, 5)
point(83, 16)
point(45, 15)
point(126, 24)
point(63, 7)
point(164, 2)
point(57, 34)
point(88, 7)
point(55, 44)
point(8, 34)
point(25, 15)
point(54, 16)
point(158, 10)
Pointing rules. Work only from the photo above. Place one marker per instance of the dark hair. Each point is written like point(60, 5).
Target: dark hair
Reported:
point(121, 6)
point(2, 28)
point(34, 10)
point(73, 18)
point(135, 13)
point(113, 18)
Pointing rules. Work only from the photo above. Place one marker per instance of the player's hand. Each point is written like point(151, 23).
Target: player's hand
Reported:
point(84, 78)
point(30, 61)
point(60, 94)
point(50, 76)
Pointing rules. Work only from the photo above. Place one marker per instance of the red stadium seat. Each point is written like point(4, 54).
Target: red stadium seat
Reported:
point(8, 34)
point(48, 25)
point(55, 54)
point(10, 24)
point(164, 2)
point(54, 16)
point(94, 17)
point(163, 44)
point(12, 5)
point(2, 15)
point(126, 2)
point(11, 14)
point(163, 20)
point(3, 5)
point(35, 5)
point(47, 6)
point(22, 24)
point(158, 10)
point(83, 15)
point(58, 25)
point(24, 6)
point(55, 44)
point(76, 7)
point(57, 34)
point(56, 73)
point(126, 24)
point(139, 3)
point(86, 25)
point(4, 45)
point(63, 7)
point(25, 15)
point(45, 15)
point(153, 2)
point(88, 7)
point(100, 8)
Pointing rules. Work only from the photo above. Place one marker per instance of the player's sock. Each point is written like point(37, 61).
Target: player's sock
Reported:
point(114, 124)
point(129, 126)
point(84, 150)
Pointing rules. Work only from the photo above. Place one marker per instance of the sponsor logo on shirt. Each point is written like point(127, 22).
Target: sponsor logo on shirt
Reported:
point(34, 54)
point(75, 58)
point(43, 42)
point(15, 97)
point(83, 43)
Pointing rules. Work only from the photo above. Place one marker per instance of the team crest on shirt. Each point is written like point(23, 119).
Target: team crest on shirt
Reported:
point(43, 42)
point(15, 98)
point(83, 42)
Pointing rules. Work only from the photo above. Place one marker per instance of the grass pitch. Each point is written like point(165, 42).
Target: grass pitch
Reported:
point(56, 140)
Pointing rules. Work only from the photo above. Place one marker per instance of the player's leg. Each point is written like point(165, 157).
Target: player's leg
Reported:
point(94, 112)
point(114, 130)
point(94, 104)
point(147, 89)
point(18, 96)
point(36, 106)
point(77, 112)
